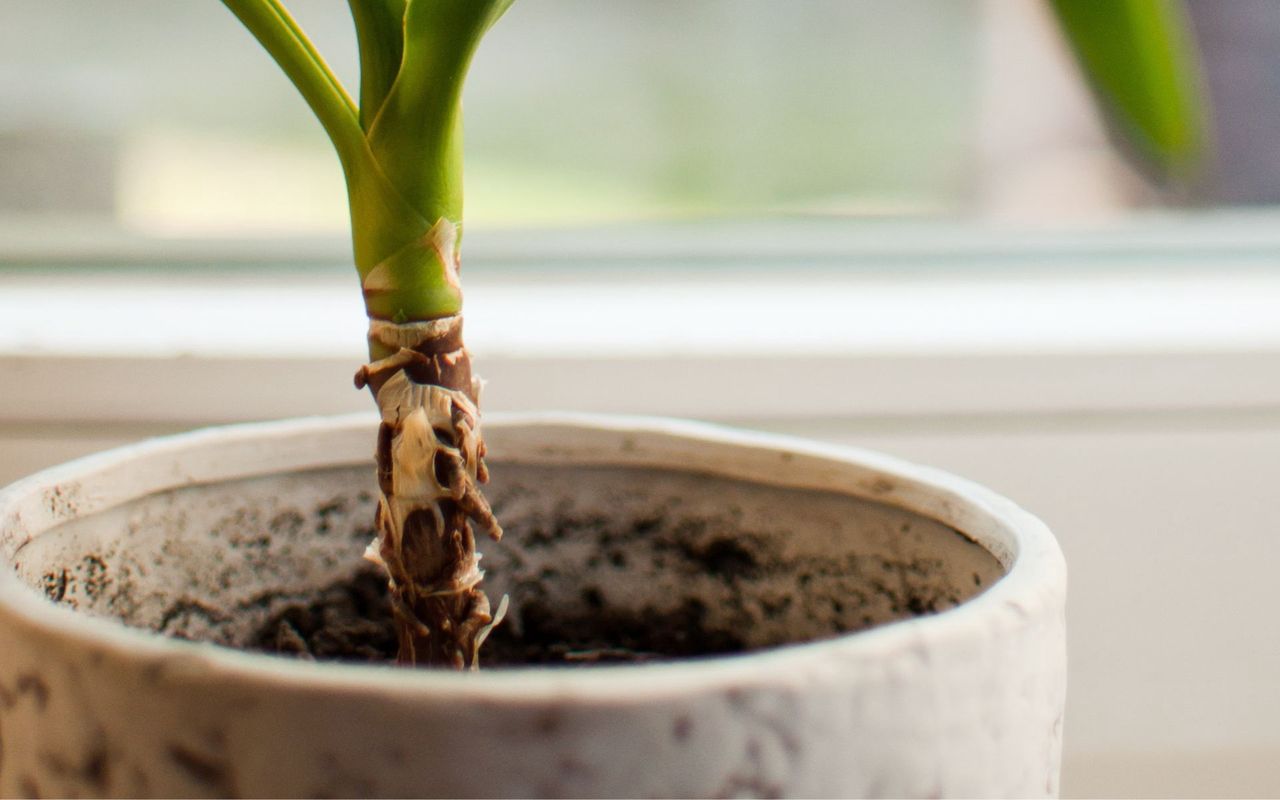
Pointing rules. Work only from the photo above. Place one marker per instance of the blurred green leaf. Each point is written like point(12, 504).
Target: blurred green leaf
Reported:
point(1140, 58)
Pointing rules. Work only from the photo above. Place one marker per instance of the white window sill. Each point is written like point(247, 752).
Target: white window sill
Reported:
point(811, 312)
point(793, 321)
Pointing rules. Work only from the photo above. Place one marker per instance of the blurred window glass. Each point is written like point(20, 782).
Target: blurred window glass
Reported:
point(165, 118)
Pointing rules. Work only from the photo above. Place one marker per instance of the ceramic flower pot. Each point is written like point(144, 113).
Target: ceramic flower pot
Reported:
point(901, 630)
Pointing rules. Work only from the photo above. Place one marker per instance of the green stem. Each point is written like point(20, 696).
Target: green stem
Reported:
point(417, 133)
point(401, 150)
point(380, 35)
point(416, 139)
point(281, 37)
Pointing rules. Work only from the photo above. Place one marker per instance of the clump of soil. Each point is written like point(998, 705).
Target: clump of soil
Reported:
point(351, 621)
point(347, 621)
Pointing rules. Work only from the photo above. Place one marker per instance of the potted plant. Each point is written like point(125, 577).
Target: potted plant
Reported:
point(630, 540)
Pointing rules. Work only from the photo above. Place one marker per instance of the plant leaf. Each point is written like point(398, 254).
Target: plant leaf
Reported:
point(1140, 58)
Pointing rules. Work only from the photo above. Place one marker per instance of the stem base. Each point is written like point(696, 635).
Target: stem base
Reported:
point(430, 462)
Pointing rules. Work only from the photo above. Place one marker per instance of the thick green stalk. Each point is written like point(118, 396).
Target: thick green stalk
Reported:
point(416, 139)
point(417, 133)
point(401, 150)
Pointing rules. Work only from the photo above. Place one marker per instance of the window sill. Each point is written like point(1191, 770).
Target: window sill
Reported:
point(751, 324)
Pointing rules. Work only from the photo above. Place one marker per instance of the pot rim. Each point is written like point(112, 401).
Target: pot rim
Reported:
point(1032, 587)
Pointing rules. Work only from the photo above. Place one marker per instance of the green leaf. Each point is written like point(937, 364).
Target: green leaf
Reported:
point(1140, 58)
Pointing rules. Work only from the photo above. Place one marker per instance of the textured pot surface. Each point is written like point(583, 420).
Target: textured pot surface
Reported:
point(827, 564)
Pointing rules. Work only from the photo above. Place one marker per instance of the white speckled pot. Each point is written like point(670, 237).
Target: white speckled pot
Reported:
point(770, 540)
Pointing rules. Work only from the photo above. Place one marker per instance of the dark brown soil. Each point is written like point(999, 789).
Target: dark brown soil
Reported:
point(351, 621)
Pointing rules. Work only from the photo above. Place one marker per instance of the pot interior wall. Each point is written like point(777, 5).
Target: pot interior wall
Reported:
point(719, 565)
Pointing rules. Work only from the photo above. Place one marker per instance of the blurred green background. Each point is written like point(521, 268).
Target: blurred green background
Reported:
point(163, 117)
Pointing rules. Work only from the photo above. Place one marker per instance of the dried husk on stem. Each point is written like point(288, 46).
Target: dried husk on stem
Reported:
point(430, 462)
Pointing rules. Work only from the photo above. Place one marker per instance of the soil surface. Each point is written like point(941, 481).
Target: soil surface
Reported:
point(351, 621)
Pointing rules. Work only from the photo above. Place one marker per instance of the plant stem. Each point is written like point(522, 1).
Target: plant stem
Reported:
point(430, 459)
point(401, 152)
point(280, 36)
point(380, 35)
